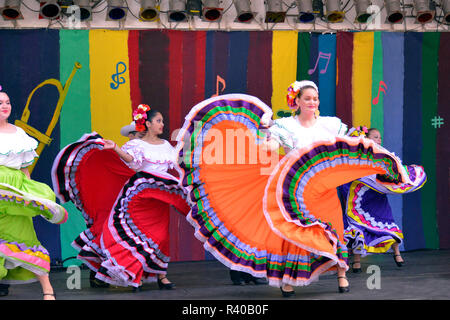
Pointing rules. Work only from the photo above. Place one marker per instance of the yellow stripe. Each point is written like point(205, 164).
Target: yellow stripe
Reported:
point(284, 67)
point(29, 252)
point(110, 109)
point(362, 77)
point(387, 245)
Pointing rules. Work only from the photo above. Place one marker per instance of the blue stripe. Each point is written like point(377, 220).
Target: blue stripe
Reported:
point(412, 141)
point(237, 63)
point(27, 58)
point(327, 80)
point(217, 44)
point(393, 73)
point(313, 55)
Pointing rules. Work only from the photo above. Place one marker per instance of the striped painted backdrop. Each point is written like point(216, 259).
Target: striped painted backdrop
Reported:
point(397, 82)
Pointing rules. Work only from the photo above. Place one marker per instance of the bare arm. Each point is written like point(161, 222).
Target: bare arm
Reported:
point(26, 171)
point(109, 144)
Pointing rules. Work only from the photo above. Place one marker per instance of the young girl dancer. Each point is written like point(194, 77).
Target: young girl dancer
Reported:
point(368, 220)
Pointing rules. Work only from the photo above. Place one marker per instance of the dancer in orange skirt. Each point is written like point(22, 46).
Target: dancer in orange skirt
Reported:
point(270, 216)
point(124, 194)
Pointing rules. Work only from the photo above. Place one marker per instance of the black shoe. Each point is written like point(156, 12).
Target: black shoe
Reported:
point(257, 281)
point(287, 294)
point(4, 290)
point(137, 289)
point(356, 270)
point(96, 283)
point(398, 263)
point(165, 286)
point(343, 289)
point(249, 278)
point(236, 277)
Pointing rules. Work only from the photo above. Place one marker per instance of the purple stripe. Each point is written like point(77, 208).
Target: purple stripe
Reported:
point(24, 247)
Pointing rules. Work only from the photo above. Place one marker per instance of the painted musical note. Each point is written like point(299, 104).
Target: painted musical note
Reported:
point(219, 80)
point(380, 89)
point(326, 56)
point(117, 80)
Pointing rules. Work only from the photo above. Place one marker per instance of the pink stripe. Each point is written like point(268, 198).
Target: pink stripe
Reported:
point(26, 258)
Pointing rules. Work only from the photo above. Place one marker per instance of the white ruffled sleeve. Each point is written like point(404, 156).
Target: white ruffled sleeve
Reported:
point(334, 125)
point(17, 150)
point(135, 149)
point(280, 133)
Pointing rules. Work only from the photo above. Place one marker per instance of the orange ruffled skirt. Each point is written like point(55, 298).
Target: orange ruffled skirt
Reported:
point(271, 216)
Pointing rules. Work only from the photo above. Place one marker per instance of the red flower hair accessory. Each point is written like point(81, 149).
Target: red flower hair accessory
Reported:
point(295, 88)
point(140, 116)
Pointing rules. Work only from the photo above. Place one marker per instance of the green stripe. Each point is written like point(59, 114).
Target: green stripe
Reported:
point(75, 120)
point(376, 116)
point(303, 48)
point(430, 50)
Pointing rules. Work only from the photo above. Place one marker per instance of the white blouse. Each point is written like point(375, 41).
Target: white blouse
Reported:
point(150, 157)
point(17, 149)
point(290, 133)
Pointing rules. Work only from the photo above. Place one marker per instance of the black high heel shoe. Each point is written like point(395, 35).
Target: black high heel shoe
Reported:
point(287, 294)
point(343, 289)
point(137, 289)
point(248, 278)
point(235, 277)
point(165, 286)
point(96, 283)
point(398, 263)
point(356, 270)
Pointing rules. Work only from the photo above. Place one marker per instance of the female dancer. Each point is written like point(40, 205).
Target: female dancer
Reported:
point(274, 218)
point(22, 257)
point(303, 129)
point(369, 224)
point(127, 242)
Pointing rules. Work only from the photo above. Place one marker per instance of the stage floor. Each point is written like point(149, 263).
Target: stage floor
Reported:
point(425, 275)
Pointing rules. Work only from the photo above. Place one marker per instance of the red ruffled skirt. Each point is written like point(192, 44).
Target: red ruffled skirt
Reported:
point(126, 213)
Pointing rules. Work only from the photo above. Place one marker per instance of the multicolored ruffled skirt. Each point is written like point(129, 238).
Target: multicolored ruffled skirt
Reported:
point(22, 256)
point(368, 220)
point(126, 213)
point(270, 216)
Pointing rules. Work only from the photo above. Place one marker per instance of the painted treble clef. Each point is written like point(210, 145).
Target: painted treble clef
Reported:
point(117, 80)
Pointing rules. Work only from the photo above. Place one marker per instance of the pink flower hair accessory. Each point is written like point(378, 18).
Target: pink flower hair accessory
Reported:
point(140, 116)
